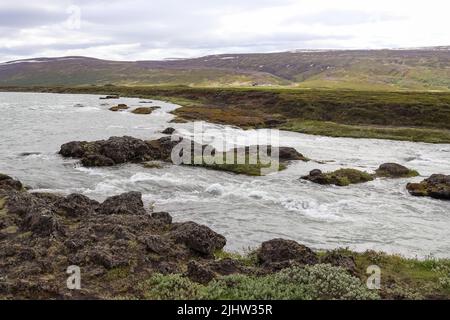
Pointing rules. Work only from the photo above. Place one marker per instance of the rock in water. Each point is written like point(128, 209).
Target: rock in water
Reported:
point(144, 110)
point(394, 170)
point(169, 131)
point(436, 186)
point(341, 177)
point(119, 107)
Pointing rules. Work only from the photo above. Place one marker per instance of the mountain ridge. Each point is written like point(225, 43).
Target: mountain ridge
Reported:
point(386, 69)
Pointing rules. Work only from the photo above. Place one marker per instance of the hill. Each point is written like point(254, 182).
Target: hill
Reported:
point(409, 69)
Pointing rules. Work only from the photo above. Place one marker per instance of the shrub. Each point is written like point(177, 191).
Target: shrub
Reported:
point(321, 281)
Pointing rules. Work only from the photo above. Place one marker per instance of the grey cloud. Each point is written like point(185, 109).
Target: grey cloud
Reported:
point(29, 17)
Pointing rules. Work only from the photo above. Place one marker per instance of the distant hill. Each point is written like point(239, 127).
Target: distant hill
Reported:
point(408, 69)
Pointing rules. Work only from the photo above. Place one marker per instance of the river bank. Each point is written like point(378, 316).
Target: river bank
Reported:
point(405, 116)
point(123, 250)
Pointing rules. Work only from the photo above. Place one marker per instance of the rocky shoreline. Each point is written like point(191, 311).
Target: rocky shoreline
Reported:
point(125, 250)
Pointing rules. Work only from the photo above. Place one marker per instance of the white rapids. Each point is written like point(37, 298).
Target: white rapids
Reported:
point(378, 215)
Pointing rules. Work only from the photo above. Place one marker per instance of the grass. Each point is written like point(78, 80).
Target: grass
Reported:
point(428, 278)
point(332, 129)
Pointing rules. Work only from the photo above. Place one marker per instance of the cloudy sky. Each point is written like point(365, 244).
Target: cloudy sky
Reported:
point(158, 29)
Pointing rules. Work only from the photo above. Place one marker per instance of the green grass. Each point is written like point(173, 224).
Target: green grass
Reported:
point(331, 129)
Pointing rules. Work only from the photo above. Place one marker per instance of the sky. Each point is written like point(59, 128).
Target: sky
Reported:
point(153, 29)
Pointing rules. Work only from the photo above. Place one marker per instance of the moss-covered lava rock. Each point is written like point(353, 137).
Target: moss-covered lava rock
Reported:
point(436, 186)
point(341, 177)
point(394, 170)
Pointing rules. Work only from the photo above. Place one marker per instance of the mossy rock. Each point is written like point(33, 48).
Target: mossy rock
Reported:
point(394, 170)
point(119, 107)
point(153, 165)
point(436, 186)
point(144, 110)
point(341, 177)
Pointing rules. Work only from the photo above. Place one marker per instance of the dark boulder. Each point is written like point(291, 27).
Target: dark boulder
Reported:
point(96, 160)
point(157, 244)
point(168, 131)
point(110, 97)
point(8, 183)
point(226, 267)
point(199, 273)
point(288, 154)
point(125, 149)
point(129, 203)
point(338, 259)
point(281, 250)
point(436, 186)
point(394, 170)
point(163, 217)
point(198, 238)
point(41, 223)
point(315, 173)
point(76, 149)
point(77, 205)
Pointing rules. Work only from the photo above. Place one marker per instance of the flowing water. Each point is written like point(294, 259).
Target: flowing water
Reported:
point(377, 215)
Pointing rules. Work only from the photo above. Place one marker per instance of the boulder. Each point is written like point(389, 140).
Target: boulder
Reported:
point(129, 203)
point(436, 186)
point(394, 170)
point(144, 110)
point(341, 177)
point(110, 97)
point(41, 223)
point(199, 273)
point(119, 107)
point(97, 160)
point(198, 238)
point(157, 244)
point(8, 183)
point(77, 149)
point(281, 250)
point(226, 267)
point(288, 154)
point(338, 259)
point(77, 205)
point(164, 217)
point(169, 131)
point(125, 149)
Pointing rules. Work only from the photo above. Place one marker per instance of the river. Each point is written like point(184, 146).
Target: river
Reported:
point(378, 215)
